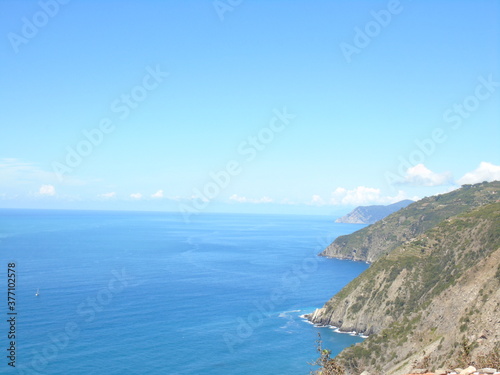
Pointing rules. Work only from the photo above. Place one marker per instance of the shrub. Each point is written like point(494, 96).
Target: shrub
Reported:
point(327, 365)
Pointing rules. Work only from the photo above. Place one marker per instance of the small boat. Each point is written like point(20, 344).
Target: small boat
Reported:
point(37, 292)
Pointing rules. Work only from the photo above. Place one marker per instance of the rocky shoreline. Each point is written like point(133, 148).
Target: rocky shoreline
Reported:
point(468, 371)
point(458, 371)
point(308, 318)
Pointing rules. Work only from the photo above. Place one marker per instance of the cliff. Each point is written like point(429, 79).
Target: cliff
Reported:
point(432, 300)
point(371, 214)
point(370, 243)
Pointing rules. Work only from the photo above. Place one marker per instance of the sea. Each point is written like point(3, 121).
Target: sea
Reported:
point(118, 293)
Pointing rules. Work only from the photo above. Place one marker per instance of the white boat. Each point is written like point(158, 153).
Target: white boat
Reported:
point(37, 292)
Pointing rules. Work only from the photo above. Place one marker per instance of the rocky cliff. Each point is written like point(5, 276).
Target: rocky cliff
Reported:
point(370, 243)
point(432, 299)
point(371, 214)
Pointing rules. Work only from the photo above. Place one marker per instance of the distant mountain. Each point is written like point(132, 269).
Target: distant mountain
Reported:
point(371, 214)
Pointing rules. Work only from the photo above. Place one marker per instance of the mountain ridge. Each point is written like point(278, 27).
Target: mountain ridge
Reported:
point(371, 242)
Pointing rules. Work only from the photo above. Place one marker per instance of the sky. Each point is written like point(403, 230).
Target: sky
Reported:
point(264, 106)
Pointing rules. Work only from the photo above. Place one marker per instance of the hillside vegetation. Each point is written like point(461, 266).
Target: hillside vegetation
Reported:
point(433, 297)
point(370, 243)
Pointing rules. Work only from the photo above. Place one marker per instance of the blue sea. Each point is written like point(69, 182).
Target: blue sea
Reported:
point(147, 293)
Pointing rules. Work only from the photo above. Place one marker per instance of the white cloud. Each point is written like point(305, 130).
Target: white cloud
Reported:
point(158, 194)
point(202, 198)
point(264, 200)
point(317, 200)
point(420, 175)
point(357, 196)
point(108, 195)
point(361, 196)
point(237, 198)
point(48, 190)
point(136, 195)
point(485, 172)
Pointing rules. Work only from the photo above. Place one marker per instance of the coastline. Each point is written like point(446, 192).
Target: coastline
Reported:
point(305, 318)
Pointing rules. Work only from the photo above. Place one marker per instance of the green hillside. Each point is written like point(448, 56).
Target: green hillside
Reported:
point(370, 243)
point(431, 296)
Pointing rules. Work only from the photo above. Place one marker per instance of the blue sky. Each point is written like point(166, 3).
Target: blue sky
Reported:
point(245, 106)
